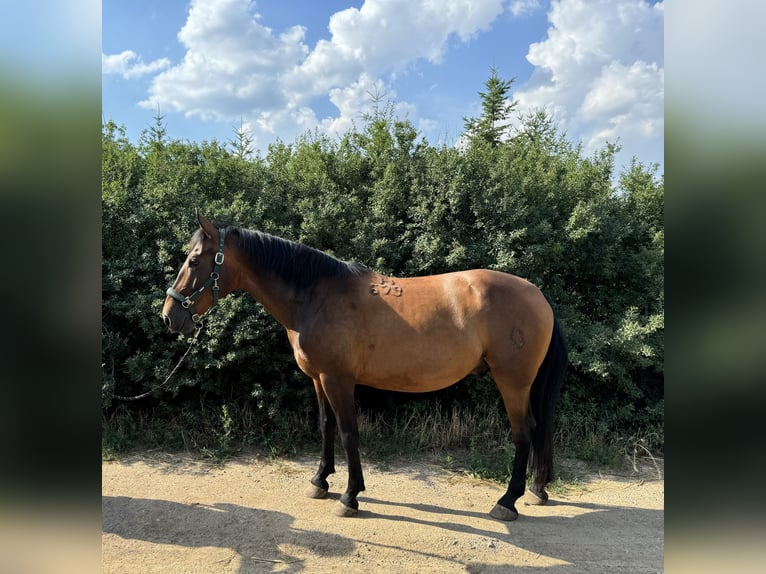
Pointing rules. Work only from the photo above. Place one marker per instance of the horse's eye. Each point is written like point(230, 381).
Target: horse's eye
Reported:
point(194, 262)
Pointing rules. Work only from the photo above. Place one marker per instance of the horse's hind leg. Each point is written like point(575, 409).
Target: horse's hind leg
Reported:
point(319, 485)
point(516, 401)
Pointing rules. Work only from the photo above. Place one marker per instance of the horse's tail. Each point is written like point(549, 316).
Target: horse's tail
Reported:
point(543, 399)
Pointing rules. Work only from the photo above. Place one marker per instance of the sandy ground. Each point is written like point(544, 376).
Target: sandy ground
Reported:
point(171, 514)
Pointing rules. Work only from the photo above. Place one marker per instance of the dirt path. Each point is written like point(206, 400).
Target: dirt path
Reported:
point(169, 514)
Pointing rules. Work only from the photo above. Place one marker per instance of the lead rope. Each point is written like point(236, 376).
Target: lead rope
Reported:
point(167, 379)
point(188, 303)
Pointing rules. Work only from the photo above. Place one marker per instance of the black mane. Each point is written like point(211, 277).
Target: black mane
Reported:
point(299, 266)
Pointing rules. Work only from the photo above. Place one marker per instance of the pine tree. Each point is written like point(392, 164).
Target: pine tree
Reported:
point(243, 142)
point(158, 132)
point(496, 109)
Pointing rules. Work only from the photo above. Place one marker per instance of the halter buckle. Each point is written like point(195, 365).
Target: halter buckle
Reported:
point(219, 258)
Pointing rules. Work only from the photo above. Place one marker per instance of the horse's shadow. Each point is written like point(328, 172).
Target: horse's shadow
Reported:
point(614, 535)
point(253, 535)
point(262, 540)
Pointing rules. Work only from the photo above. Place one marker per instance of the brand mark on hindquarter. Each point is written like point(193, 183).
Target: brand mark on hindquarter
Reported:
point(517, 338)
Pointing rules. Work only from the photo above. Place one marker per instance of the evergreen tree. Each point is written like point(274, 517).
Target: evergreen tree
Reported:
point(242, 144)
point(156, 136)
point(496, 109)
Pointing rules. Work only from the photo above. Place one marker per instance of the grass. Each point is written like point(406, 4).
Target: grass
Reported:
point(477, 442)
point(474, 441)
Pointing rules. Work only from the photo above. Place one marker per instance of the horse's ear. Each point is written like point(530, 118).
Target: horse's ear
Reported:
point(206, 226)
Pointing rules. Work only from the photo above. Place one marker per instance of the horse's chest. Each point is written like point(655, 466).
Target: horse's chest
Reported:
point(314, 352)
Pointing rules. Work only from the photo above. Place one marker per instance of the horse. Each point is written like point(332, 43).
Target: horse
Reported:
point(349, 325)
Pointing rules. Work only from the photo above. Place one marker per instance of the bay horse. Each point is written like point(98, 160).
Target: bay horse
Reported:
point(350, 326)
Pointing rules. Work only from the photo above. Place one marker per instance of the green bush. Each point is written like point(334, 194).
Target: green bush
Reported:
point(532, 205)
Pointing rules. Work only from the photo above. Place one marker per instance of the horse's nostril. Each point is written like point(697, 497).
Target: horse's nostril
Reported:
point(166, 320)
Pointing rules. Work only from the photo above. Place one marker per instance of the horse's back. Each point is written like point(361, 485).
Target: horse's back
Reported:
point(422, 333)
point(504, 319)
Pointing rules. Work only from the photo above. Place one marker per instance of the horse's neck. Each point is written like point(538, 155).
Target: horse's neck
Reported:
point(277, 298)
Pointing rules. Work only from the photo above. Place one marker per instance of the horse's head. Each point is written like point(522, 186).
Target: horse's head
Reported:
point(201, 281)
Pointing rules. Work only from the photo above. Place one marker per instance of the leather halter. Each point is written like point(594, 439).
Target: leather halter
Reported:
point(187, 301)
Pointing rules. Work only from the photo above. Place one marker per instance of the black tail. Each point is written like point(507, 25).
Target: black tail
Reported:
point(543, 399)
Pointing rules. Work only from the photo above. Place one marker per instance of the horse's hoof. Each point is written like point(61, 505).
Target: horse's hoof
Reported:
point(503, 513)
point(314, 491)
point(345, 511)
point(532, 498)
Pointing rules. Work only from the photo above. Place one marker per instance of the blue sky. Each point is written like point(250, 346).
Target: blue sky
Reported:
point(281, 67)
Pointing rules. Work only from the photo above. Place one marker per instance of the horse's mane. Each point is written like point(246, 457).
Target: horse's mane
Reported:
point(298, 265)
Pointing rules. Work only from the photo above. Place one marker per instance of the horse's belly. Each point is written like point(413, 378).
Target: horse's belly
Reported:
point(418, 370)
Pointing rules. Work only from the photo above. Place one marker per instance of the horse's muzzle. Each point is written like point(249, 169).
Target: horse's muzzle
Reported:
point(177, 319)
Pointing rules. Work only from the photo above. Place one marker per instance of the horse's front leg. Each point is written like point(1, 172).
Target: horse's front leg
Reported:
point(340, 394)
point(319, 485)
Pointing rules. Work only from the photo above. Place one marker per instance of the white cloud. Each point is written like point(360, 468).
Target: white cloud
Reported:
point(231, 66)
point(235, 67)
point(353, 101)
point(128, 64)
point(385, 36)
point(600, 74)
point(627, 95)
point(524, 7)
